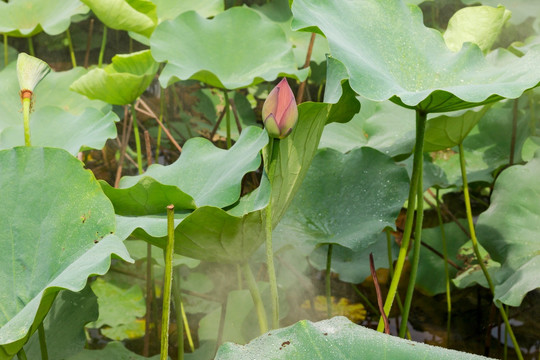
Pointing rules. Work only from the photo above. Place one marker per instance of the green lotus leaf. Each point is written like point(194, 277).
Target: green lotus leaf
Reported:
point(113, 350)
point(169, 9)
point(23, 18)
point(445, 131)
point(54, 127)
point(521, 9)
point(64, 325)
point(231, 57)
point(473, 273)
point(365, 195)
point(381, 125)
point(54, 230)
point(508, 228)
point(480, 25)
point(211, 176)
point(337, 338)
point(391, 54)
point(130, 15)
point(487, 147)
point(121, 82)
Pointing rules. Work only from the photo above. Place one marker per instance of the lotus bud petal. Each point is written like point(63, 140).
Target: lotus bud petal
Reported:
point(279, 111)
point(30, 71)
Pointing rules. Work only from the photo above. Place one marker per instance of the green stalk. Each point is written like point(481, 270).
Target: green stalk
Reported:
point(6, 57)
point(416, 174)
point(31, 46)
point(42, 342)
point(103, 43)
point(416, 249)
point(167, 284)
point(26, 120)
point(70, 46)
point(273, 151)
point(446, 270)
point(228, 119)
point(256, 295)
point(22, 355)
point(161, 112)
point(179, 319)
point(328, 282)
point(186, 326)
point(477, 251)
point(137, 137)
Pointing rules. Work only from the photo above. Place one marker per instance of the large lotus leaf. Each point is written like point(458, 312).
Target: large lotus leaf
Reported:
point(353, 266)
point(113, 350)
point(521, 9)
point(445, 131)
point(472, 273)
point(130, 15)
point(508, 228)
point(336, 338)
point(381, 125)
point(211, 176)
point(54, 230)
point(29, 17)
point(64, 325)
point(53, 90)
point(121, 82)
point(231, 57)
point(169, 9)
point(365, 194)
point(391, 54)
point(296, 152)
point(487, 147)
point(54, 127)
point(480, 25)
point(431, 278)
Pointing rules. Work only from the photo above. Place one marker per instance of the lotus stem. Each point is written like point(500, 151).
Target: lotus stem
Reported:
point(70, 46)
point(167, 284)
point(256, 295)
point(31, 46)
point(421, 119)
point(228, 118)
point(273, 151)
point(103, 44)
point(186, 326)
point(477, 250)
point(446, 269)
point(328, 280)
point(22, 355)
point(27, 104)
point(413, 187)
point(179, 319)
point(148, 300)
point(137, 138)
point(42, 342)
point(6, 52)
point(161, 112)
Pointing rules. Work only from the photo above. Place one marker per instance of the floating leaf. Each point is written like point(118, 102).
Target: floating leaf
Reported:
point(508, 230)
point(232, 57)
point(54, 229)
point(121, 82)
point(23, 18)
point(130, 15)
point(337, 338)
point(391, 54)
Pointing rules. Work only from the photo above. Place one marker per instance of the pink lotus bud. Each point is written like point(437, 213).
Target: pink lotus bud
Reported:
point(279, 111)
